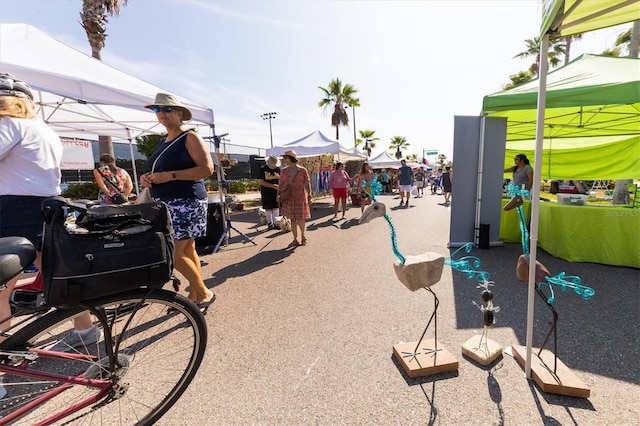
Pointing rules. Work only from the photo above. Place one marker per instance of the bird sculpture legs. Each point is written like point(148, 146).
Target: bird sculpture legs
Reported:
point(552, 329)
point(433, 318)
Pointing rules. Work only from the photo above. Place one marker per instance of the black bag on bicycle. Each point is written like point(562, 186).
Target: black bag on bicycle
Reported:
point(118, 198)
point(105, 250)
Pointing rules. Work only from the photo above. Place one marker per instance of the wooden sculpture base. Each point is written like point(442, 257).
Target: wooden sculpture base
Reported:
point(563, 382)
point(484, 354)
point(426, 361)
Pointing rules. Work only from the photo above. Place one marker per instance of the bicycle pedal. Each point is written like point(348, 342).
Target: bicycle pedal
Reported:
point(176, 283)
point(27, 300)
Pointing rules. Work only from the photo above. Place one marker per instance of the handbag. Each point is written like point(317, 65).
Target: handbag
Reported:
point(118, 197)
point(106, 250)
point(144, 197)
point(286, 191)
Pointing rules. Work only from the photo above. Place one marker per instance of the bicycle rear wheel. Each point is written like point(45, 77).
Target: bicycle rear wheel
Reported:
point(159, 345)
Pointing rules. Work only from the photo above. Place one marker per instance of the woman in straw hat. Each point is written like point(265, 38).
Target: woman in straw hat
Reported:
point(268, 180)
point(178, 168)
point(296, 208)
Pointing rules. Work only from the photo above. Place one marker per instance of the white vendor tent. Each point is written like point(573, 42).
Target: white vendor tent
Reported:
point(78, 95)
point(384, 161)
point(318, 144)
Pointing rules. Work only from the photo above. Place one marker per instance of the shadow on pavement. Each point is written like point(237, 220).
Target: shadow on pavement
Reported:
point(256, 263)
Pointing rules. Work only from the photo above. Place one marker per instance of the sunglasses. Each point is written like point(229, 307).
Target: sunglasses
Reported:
point(157, 109)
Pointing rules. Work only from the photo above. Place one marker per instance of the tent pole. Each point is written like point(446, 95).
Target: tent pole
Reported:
point(535, 196)
point(221, 183)
point(476, 229)
point(133, 162)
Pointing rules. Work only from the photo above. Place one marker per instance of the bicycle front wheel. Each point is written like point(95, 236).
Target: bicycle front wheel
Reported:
point(159, 339)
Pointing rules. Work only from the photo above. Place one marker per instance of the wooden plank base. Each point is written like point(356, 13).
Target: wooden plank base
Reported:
point(563, 382)
point(484, 354)
point(426, 361)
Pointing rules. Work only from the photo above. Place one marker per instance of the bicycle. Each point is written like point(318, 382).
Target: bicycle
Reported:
point(152, 344)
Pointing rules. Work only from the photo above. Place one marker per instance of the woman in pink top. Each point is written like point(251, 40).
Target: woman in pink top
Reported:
point(338, 182)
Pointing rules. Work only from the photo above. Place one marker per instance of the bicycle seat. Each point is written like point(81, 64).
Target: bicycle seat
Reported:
point(16, 253)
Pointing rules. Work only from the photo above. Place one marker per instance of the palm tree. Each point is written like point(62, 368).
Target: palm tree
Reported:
point(398, 143)
point(338, 96)
point(630, 40)
point(368, 139)
point(612, 52)
point(95, 16)
point(556, 49)
point(412, 157)
point(518, 79)
point(567, 46)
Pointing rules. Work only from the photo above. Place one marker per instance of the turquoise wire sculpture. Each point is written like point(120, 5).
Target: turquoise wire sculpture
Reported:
point(513, 191)
point(561, 280)
point(375, 187)
point(467, 264)
point(564, 282)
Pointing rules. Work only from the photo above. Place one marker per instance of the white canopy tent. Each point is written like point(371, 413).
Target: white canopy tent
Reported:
point(383, 161)
point(318, 144)
point(79, 95)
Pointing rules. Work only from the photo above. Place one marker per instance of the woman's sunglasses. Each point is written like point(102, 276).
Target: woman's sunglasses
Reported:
point(157, 109)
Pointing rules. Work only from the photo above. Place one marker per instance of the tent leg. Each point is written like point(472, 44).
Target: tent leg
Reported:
point(535, 197)
point(133, 163)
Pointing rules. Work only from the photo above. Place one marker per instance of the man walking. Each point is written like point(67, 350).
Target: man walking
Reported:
point(405, 178)
point(419, 176)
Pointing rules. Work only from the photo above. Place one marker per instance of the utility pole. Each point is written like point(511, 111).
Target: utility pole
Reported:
point(354, 125)
point(269, 116)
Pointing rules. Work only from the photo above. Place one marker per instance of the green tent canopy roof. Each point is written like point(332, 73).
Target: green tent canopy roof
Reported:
point(569, 17)
point(594, 158)
point(591, 96)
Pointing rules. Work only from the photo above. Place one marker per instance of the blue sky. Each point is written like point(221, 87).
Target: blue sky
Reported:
point(416, 64)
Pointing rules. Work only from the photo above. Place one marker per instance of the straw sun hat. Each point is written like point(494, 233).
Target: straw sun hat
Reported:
point(167, 99)
point(273, 161)
point(291, 153)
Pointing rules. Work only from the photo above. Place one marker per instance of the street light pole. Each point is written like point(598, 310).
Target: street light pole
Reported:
point(269, 116)
point(354, 125)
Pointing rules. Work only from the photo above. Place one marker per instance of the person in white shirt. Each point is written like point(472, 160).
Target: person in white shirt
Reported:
point(30, 157)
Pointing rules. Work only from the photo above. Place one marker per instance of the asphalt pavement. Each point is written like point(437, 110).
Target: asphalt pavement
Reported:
point(304, 336)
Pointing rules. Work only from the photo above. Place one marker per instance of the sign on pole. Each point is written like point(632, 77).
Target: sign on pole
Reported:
point(77, 155)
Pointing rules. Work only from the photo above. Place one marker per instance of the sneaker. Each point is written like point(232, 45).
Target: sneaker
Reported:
point(270, 226)
point(75, 340)
point(401, 203)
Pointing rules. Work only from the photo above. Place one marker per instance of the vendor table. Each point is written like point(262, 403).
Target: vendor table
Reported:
point(510, 222)
point(608, 235)
point(599, 234)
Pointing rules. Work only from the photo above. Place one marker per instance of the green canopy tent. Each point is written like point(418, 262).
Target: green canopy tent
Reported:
point(563, 18)
point(590, 103)
point(590, 96)
point(594, 158)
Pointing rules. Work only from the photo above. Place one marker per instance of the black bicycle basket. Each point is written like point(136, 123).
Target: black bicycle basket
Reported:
point(90, 253)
